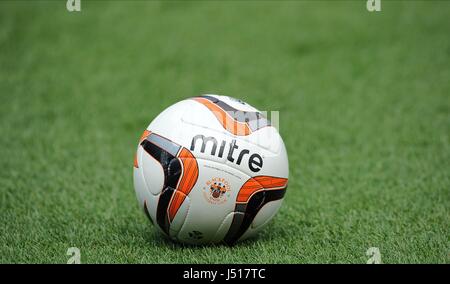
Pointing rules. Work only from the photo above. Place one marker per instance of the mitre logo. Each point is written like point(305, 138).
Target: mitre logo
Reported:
point(216, 190)
point(235, 154)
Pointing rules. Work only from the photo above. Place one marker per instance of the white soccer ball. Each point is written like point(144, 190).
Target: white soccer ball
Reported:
point(210, 169)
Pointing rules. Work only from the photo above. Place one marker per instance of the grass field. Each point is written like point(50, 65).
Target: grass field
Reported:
point(364, 101)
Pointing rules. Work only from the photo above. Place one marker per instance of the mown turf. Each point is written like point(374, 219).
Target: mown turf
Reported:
point(364, 101)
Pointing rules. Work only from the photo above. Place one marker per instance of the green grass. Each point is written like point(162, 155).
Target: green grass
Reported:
point(364, 101)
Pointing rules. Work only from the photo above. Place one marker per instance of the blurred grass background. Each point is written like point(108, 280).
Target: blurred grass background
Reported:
point(364, 108)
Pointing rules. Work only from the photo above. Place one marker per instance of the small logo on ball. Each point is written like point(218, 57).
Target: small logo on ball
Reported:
point(216, 190)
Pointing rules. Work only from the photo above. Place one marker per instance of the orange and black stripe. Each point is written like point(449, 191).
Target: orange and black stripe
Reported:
point(237, 122)
point(180, 175)
point(144, 135)
point(253, 195)
point(187, 181)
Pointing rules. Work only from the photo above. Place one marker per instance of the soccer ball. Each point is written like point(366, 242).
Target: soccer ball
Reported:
point(210, 169)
